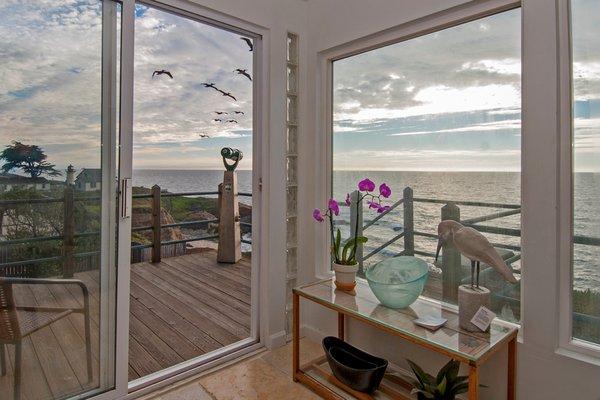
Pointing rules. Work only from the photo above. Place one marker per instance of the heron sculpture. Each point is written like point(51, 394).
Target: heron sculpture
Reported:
point(473, 245)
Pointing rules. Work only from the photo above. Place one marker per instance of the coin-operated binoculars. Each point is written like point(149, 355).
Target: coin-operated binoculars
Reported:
point(230, 249)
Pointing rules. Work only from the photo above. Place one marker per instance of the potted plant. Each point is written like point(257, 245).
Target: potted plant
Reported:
point(445, 386)
point(343, 252)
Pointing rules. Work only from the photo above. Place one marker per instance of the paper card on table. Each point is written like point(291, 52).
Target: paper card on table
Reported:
point(483, 318)
point(430, 322)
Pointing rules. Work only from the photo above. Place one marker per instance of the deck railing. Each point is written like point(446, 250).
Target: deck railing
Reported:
point(450, 209)
point(69, 257)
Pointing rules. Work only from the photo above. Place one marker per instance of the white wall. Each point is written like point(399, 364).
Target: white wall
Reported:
point(324, 24)
point(542, 372)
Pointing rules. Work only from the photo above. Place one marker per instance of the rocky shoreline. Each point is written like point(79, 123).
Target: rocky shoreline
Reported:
point(182, 209)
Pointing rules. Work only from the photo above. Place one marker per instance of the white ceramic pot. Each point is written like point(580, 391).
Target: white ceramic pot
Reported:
point(345, 276)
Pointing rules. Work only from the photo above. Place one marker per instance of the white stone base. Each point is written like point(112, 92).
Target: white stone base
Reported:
point(469, 302)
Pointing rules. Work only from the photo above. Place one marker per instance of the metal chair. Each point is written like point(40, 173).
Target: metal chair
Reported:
point(18, 322)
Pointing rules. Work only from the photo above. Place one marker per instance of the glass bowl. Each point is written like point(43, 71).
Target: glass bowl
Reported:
point(397, 282)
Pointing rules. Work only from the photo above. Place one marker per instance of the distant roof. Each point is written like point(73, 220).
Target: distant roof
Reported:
point(90, 175)
point(14, 178)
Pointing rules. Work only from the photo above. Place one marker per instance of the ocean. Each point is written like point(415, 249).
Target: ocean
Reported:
point(489, 187)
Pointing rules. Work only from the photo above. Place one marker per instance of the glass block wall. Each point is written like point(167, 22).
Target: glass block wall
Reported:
point(292, 174)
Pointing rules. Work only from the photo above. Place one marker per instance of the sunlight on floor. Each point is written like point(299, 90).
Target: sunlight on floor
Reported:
point(265, 376)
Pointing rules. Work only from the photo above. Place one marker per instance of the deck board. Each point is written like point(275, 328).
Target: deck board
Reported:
point(181, 308)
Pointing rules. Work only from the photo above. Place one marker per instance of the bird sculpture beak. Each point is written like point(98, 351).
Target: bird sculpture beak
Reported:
point(439, 247)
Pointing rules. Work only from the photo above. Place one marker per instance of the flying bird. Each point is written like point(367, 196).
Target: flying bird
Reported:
point(162, 72)
point(248, 42)
point(473, 245)
point(232, 120)
point(210, 85)
point(218, 120)
point(243, 72)
point(221, 112)
point(203, 135)
point(238, 112)
point(227, 94)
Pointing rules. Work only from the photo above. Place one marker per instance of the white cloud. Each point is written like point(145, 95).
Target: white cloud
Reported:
point(484, 127)
point(443, 99)
point(50, 80)
point(507, 66)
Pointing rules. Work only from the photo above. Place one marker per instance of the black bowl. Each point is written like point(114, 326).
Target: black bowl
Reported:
point(353, 367)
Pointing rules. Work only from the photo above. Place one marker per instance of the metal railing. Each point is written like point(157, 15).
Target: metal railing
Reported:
point(450, 209)
point(68, 236)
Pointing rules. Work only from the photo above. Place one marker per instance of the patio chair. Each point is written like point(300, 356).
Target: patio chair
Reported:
point(17, 322)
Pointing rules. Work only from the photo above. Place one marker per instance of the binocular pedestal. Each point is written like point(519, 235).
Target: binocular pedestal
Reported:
point(230, 249)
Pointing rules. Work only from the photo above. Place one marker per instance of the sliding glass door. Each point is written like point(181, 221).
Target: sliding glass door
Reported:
point(125, 254)
point(192, 226)
point(59, 127)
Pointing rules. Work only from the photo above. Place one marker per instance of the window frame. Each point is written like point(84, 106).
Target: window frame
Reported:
point(556, 212)
point(567, 344)
point(449, 18)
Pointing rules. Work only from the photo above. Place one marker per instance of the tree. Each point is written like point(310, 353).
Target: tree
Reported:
point(31, 159)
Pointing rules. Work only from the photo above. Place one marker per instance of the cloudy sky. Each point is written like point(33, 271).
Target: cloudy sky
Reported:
point(50, 84)
point(451, 100)
point(446, 101)
point(171, 114)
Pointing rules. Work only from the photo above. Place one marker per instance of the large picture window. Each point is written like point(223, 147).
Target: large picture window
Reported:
point(437, 118)
point(586, 170)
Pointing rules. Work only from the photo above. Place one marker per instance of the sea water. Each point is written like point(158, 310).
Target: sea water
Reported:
point(489, 187)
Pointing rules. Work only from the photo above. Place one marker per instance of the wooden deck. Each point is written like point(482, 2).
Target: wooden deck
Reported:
point(181, 308)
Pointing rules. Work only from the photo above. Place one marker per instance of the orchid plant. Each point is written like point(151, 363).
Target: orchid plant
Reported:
point(344, 253)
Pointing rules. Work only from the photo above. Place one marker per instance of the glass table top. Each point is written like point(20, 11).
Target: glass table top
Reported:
point(450, 339)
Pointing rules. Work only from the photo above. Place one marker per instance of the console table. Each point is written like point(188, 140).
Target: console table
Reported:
point(472, 349)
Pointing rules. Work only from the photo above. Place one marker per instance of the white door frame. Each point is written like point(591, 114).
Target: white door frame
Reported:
point(123, 388)
point(114, 321)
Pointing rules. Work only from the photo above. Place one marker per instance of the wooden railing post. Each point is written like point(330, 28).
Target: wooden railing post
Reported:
point(68, 232)
point(156, 225)
point(409, 226)
point(451, 259)
point(356, 225)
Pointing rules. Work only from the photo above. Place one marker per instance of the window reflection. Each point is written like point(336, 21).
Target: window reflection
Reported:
point(586, 170)
point(438, 116)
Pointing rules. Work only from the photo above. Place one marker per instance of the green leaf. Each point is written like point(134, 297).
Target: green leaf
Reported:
point(421, 375)
point(338, 240)
point(442, 386)
point(425, 394)
point(442, 372)
point(461, 388)
point(409, 378)
point(350, 243)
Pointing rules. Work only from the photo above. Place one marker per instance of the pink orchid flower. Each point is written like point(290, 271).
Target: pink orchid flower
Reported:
point(334, 206)
point(385, 190)
point(366, 185)
point(374, 205)
point(382, 209)
point(317, 215)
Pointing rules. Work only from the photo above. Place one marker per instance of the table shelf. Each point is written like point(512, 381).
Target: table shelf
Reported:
point(472, 349)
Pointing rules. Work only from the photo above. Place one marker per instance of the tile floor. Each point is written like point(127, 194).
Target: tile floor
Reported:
point(264, 376)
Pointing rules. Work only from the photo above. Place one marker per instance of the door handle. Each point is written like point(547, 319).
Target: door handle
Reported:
point(126, 198)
